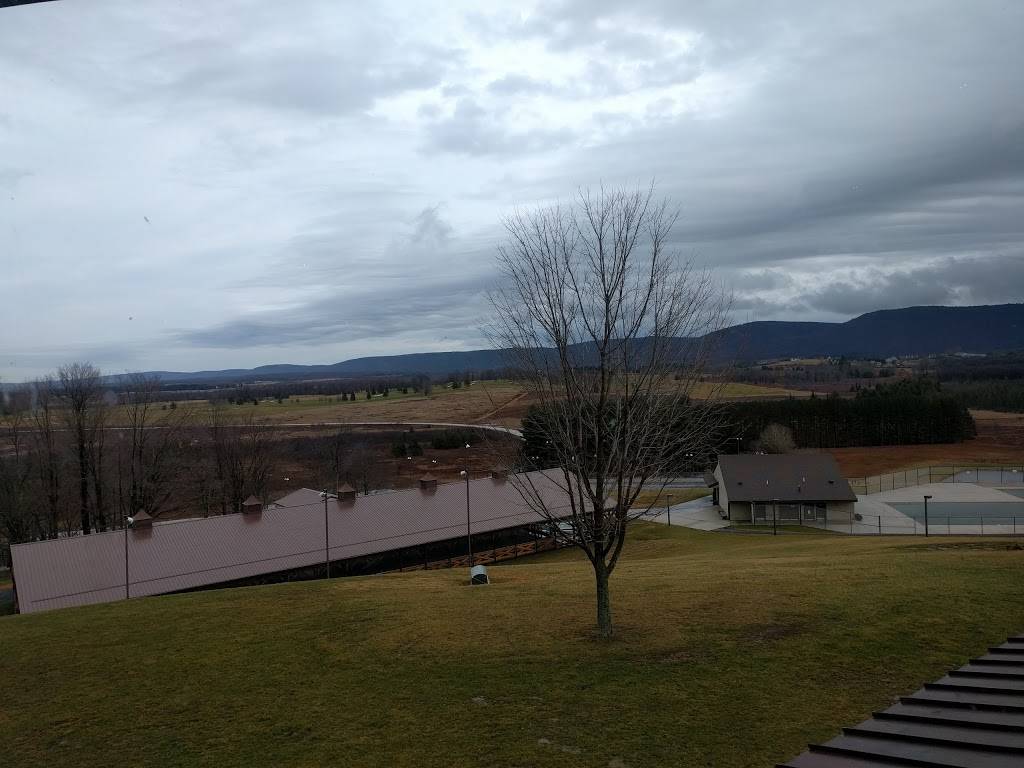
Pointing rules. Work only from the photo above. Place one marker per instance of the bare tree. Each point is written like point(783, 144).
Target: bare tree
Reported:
point(363, 469)
point(607, 329)
point(48, 456)
point(148, 461)
point(776, 438)
point(242, 461)
point(16, 523)
point(81, 395)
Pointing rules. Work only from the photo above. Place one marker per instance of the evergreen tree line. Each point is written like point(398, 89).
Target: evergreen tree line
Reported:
point(911, 412)
point(993, 395)
point(908, 412)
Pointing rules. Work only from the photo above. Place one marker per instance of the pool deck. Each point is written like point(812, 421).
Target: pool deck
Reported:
point(876, 507)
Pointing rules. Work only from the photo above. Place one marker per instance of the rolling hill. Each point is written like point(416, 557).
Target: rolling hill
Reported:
point(886, 333)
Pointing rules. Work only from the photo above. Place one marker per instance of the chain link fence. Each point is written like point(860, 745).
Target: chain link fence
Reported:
point(995, 476)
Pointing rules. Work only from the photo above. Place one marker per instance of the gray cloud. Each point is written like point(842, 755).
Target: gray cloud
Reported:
point(256, 183)
point(472, 130)
point(378, 313)
point(994, 280)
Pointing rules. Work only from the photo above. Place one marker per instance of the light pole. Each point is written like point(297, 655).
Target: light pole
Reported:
point(926, 497)
point(668, 508)
point(127, 524)
point(738, 442)
point(327, 536)
point(469, 533)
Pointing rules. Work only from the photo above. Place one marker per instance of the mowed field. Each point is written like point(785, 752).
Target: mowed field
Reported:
point(502, 403)
point(732, 650)
point(1000, 440)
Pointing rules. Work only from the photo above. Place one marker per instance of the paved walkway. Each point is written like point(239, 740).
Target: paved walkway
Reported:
point(699, 514)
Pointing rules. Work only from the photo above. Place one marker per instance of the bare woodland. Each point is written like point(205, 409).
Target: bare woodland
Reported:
point(606, 327)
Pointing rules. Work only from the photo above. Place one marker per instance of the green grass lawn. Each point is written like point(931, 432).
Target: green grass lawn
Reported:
point(732, 650)
point(780, 528)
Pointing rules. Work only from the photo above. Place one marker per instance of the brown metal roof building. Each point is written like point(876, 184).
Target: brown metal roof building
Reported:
point(801, 487)
point(292, 533)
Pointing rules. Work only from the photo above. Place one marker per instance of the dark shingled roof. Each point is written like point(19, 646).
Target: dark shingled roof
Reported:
point(786, 477)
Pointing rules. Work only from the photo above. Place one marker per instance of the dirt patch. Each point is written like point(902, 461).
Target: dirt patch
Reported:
point(1000, 440)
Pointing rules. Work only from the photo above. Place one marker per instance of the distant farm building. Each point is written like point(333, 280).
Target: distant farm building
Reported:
point(301, 535)
point(787, 488)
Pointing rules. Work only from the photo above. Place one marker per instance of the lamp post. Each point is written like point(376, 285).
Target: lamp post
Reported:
point(738, 442)
point(327, 536)
point(469, 533)
point(926, 497)
point(127, 524)
point(668, 508)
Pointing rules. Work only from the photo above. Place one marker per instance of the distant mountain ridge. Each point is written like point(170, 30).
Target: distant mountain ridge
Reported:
point(886, 333)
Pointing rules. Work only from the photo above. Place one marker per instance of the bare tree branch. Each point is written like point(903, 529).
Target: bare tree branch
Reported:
point(609, 331)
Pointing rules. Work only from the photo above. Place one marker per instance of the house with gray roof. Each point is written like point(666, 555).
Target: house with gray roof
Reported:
point(805, 488)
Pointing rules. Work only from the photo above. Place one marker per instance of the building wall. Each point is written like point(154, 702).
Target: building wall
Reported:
point(740, 511)
point(840, 511)
point(723, 496)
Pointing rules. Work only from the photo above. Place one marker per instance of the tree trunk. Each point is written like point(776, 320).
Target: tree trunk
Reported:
point(604, 600)
point(83, 486)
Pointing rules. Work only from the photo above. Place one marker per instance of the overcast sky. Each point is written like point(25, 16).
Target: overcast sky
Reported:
point(188, 185)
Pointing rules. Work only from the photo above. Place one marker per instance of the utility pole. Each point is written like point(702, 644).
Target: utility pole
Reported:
point(327, 536)
point(127, 589)
point(469, 532)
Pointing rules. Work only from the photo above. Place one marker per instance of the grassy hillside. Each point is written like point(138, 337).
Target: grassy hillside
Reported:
point(733, 650)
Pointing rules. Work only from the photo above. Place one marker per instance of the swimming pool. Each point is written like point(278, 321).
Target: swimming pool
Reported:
point(963, 512)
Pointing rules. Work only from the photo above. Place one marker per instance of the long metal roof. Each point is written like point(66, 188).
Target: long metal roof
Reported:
point(972, 718)
point(789, 477)
point(290, 533)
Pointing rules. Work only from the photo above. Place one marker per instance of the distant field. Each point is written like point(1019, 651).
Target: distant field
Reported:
point(480, 402)
point(743, 390)
point(492, 402)
point(732, 651)
point(1000, 440)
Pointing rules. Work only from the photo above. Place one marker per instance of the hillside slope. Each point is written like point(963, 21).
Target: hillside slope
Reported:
point(908, 331)
point(718, 635)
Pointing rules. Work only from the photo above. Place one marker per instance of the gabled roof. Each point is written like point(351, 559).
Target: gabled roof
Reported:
point(784, 477)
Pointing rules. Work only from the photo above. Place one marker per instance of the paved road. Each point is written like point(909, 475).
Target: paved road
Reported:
point(290, 425)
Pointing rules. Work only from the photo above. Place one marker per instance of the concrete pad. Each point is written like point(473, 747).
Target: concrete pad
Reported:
point(699, 514)
point(943, 492)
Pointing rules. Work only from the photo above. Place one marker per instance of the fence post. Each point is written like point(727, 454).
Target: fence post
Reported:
point(982, 525)
point(879, 525)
